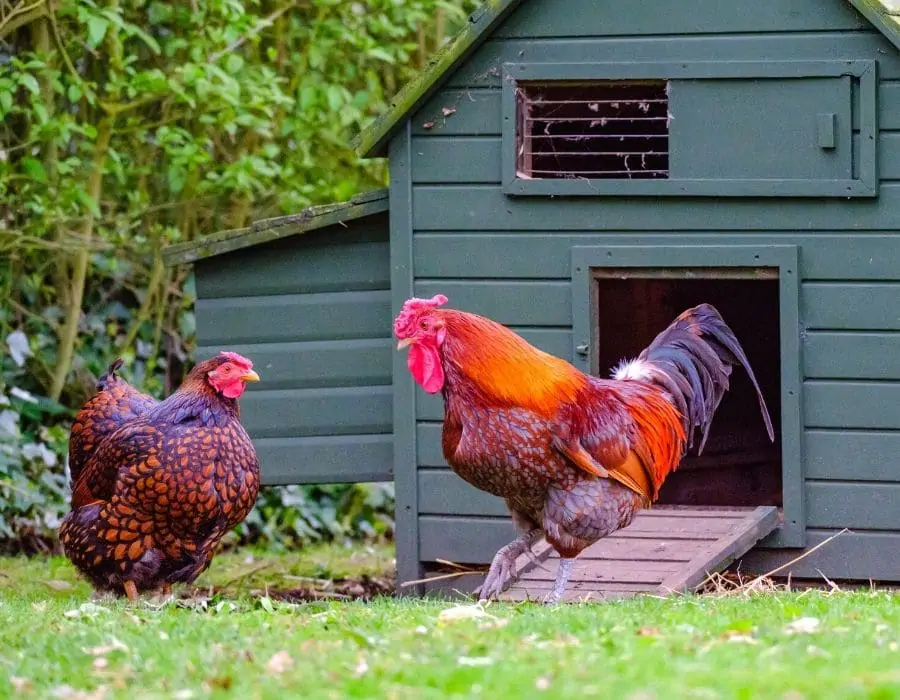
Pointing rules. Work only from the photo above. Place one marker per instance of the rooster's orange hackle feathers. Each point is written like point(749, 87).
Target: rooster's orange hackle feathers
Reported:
point(507, 369)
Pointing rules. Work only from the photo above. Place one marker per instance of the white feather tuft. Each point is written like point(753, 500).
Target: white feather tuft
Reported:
point(635, 370)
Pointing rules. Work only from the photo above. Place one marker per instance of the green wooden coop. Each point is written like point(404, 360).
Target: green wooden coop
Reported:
point(559, 162)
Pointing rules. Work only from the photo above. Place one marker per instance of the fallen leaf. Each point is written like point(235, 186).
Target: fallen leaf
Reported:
point(542, 683)
point(58, 585)
point(114, 645)
point(427, 125)
point(20, 684)
point(421, 629)
point(447, 111)
point(100, 663)
point(803, 625)
point(474, 661)
point(648, 632)
point(280, 662)
point(223, 682)
point(185, 694)
point(361, 668)
point(464, 612)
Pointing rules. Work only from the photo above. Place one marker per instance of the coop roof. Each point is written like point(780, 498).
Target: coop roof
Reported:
point(372, 142)
point(266, 230)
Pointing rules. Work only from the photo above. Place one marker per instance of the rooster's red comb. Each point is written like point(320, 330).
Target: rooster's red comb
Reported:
point(236, 358)
point(410, 311)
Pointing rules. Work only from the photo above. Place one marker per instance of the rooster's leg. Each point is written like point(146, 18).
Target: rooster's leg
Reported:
point(562, 578)
point(131, 590)
point(502, 569)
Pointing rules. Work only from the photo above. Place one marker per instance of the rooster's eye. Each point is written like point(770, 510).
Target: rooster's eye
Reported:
point(424, 325)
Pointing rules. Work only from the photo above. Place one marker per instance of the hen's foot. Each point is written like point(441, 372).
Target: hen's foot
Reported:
point(562, 578)
point(502, 571)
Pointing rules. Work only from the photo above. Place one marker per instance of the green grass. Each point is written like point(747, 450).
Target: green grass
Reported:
point(56, 642)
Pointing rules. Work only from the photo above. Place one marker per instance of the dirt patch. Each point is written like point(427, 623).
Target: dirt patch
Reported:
point(363, 587)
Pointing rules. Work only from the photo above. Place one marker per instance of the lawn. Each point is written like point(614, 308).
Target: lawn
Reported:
point(55, 642)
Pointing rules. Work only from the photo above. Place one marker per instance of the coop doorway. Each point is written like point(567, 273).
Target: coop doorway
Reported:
point(743, 489)
point(739, 465)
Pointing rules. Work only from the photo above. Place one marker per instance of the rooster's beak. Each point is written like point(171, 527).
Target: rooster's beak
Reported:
point(404, 343)
point(251, 376)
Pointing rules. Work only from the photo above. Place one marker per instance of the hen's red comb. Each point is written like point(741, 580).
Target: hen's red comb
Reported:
point(412, 308)
point(237, 359)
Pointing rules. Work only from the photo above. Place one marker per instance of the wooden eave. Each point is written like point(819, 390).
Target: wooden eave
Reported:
point(267, 230)
point(372, 142)
point(884, 16)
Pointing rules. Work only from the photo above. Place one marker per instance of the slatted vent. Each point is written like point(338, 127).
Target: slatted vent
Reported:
point(604, 129)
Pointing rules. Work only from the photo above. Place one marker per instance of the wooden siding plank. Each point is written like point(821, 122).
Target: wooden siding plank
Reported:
point(485, 208)
point(852, 505)
point(329, 261)
point(484, 68)
point(442, 492)
point(308, 412)
point(325, 460)
point(293, 318)
point(848, 255)
point(861, 307)
point(852, 455)
point(875, 355)
point(429, 452)
point(463, 539)
point(470, 159)
point(852, 556)
point(517, 303)
point(846, 404)
point(478, 160)
point(325, 363)
point(591, 18)
point(477, 114)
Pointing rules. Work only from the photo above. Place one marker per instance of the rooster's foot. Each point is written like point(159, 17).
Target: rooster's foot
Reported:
point(502, 571)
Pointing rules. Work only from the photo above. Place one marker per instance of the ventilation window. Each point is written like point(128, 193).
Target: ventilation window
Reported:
point(599, 130)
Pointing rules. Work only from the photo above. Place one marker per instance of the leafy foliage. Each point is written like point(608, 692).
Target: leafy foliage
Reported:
point(126, 125)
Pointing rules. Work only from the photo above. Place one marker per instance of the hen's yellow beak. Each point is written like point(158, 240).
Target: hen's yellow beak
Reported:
point(251, 376)
point(404, 343)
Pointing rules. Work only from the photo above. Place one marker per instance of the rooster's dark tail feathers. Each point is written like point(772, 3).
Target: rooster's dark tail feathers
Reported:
point(692, 360)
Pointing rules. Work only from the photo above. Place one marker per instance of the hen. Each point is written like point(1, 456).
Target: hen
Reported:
point(574, 456)
point(157, 484)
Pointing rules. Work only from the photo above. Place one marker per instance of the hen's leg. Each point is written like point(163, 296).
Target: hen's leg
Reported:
point(502, 569)
point(131, 590)
point(562, 578)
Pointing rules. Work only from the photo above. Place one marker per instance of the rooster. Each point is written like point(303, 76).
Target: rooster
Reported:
point(574, 456)
point(157, 484)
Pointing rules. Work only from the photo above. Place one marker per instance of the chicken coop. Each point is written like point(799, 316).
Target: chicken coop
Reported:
point(582, 171)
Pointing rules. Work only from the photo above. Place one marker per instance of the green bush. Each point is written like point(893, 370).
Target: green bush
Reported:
point(127, 125)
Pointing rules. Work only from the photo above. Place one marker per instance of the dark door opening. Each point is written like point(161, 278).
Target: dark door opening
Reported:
point(739, 466)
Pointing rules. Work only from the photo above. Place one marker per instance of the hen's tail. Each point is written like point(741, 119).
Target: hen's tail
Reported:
point(692, 360)
point(110, 374)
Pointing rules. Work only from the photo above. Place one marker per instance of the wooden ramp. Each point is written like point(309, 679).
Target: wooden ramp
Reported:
point(665, 550)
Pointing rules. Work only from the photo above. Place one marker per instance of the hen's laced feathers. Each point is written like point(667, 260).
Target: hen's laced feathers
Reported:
point(505, 367)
